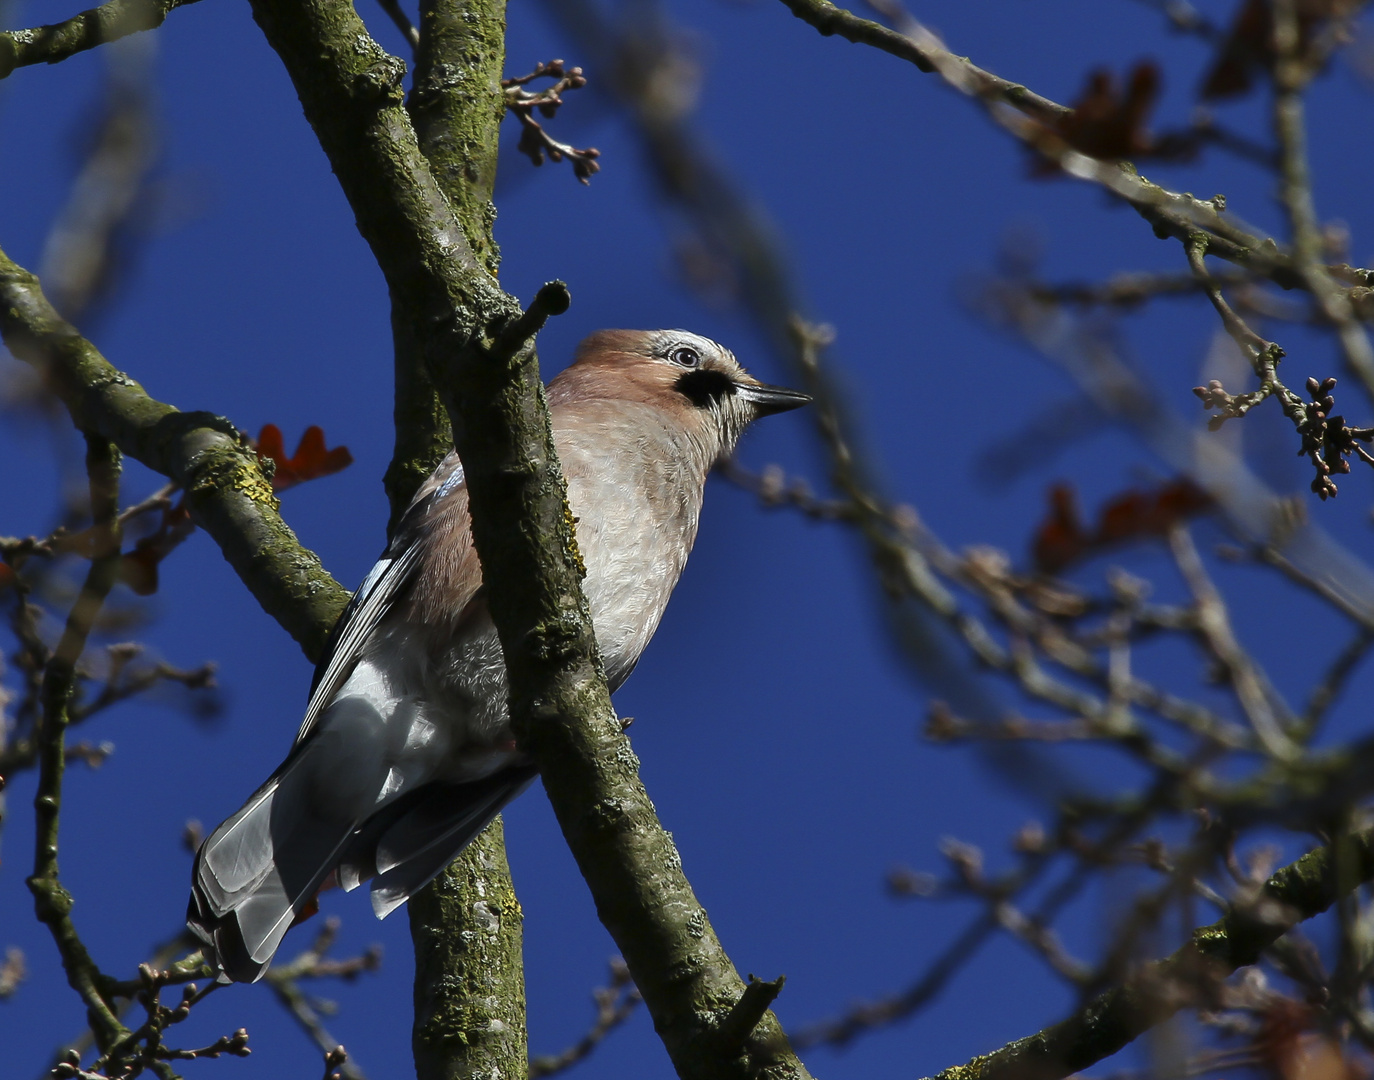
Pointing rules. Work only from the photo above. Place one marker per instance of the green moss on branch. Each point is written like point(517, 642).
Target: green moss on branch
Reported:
point(57, 41)
point(226, 492)
point(469, 979)
point(456, 107)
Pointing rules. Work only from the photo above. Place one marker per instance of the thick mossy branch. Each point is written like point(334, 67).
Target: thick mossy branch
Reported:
point(1115, 1018)
point(456, 106)
point(108, 22)
point(469, 976)
point(523, 530)
point(226, 492)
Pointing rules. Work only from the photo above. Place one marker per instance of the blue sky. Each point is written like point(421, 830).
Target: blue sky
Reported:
point(778, 733)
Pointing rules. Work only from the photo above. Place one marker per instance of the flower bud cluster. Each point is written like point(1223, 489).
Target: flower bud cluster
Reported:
point(1328, 441)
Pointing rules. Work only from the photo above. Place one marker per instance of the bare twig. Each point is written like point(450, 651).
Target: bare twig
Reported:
point(1292, 72)
point(1131, 289)
point(774, 488)
point(535, 142)
point(52, 902)
point(1268, 713)
point(402, 22)
point(284, 981)
point(124, 993)
point(1112, 1019)
point(123, 681)
point(615, 1003)
point(1033, 121)
point(1325, 693)
point(916, 570)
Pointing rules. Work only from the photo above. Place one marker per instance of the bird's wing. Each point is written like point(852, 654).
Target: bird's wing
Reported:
point(384, 585)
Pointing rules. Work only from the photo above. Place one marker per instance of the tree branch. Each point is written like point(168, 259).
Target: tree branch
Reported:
point(455, 106)
point(1109, 1021)
point(1170, 213)
point(1291, 75)
point(832, 20)
point(284, 980)
point(52, 902)
point(226, 492)
point(57, 41)
point(469, 971)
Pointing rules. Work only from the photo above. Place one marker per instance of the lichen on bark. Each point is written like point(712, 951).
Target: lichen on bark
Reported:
point(469, 996)
point(226, 492)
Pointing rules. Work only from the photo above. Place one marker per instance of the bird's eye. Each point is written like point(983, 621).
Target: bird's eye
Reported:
point(685, 355)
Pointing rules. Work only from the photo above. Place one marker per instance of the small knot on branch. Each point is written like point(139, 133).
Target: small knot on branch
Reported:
point(747, 1013)
point(334, 1062)
point(553, 298)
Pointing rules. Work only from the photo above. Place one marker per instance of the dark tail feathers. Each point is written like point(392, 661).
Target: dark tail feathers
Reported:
point(257, 873)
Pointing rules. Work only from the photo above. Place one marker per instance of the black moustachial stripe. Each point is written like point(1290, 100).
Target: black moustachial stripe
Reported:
point(704, 387)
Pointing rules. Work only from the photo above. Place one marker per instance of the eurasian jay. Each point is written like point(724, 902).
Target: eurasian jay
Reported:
point(406, 750)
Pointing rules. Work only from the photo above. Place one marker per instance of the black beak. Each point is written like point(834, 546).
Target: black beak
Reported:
point(771, 399)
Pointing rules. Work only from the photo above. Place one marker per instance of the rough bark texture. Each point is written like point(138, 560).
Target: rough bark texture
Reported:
point(57, 41)
point(469, 982)
point(456, 107)
point(226, 492)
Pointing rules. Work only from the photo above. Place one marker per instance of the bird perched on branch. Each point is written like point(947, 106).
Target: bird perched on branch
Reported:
point(406, 750)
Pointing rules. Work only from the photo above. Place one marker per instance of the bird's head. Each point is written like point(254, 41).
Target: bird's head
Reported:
point(694, 379)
